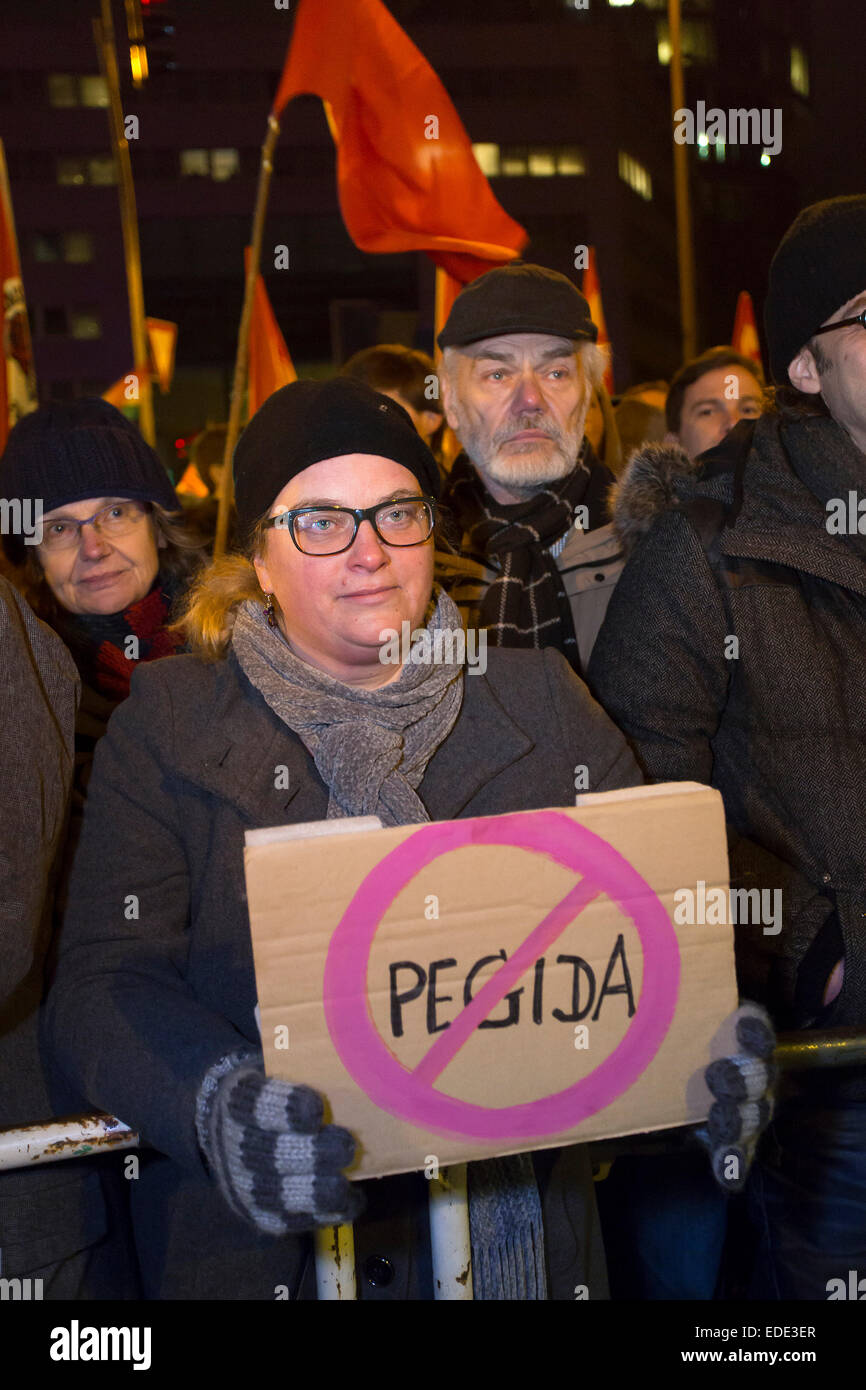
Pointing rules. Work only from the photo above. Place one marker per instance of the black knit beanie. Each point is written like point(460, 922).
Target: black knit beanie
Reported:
point(819, 265)
point(308, 421)
point(66, 453)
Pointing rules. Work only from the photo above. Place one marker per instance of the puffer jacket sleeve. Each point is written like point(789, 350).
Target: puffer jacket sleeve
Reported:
point(659, 669)
point(121, 1021)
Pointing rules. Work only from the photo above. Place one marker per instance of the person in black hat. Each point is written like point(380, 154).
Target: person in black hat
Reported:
point(295, 707)
point(104, 553)
point(539, 560)
point(734, 653)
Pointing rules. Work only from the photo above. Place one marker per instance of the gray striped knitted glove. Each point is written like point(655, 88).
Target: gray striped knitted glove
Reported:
point(274, 1162)
point(743, 1087)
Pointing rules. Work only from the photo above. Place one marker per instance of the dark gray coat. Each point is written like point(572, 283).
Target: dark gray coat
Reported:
point(51, 1212)
point(156, 980)
point(736, 546)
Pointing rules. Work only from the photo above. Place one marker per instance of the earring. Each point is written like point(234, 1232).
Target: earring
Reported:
point(269, 610)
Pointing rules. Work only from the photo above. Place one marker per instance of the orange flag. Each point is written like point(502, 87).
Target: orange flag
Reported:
point(162, 341)
point(592, 294)
point(406, 174)
point(745, 336)
point(17, 374)
point(270, 364)
point(123, 393)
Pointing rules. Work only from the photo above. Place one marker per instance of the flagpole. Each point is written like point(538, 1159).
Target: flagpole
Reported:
point(685, 248)
point(104, 34)
point(19, 397)
point(226, 488)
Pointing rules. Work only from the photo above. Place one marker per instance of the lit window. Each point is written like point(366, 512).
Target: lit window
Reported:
point(44, 247)
point(72, 89)
point(194, 164)
point(224, 164)
point(513, 164)
point(62, 89)
point(77, 247)
point(570, 160)
point(541, 164)
point(100, 169)
point(799, 71)
point(71, 171)
point(93, 91)
point(85, 323)
point(488, 159)
point(635, 175)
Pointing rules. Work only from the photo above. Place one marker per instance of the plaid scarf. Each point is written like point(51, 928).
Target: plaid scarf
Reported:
point(526, 605)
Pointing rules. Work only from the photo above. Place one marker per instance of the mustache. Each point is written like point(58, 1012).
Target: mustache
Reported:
point(529, 422)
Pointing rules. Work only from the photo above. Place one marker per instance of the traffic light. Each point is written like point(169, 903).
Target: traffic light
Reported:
point(151, 29)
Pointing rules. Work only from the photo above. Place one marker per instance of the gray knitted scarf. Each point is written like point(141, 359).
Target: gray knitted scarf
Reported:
point(371, 748)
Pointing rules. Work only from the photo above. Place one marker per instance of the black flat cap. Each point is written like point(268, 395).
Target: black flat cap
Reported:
point(518, 298)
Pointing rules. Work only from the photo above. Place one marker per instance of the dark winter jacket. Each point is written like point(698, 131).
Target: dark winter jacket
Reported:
point(734, 653)
point(52, 1216)
point(156, 981)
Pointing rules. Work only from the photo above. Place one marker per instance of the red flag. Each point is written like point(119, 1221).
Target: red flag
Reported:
point(592, 294)
point(406, 174)
point(270, 364)
point(17, 373)
point(745, 339)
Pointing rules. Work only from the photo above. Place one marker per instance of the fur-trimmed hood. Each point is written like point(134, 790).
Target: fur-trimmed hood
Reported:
point(655, 479)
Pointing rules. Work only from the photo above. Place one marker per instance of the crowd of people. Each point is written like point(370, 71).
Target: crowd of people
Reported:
point(664, 600)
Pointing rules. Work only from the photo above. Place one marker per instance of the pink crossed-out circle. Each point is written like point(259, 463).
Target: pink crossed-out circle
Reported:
point(410, 1094)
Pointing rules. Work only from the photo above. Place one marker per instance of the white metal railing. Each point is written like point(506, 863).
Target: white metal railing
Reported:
point(336, 1278)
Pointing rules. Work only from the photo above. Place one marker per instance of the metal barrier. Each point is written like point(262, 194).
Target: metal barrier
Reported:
point(80, 1135)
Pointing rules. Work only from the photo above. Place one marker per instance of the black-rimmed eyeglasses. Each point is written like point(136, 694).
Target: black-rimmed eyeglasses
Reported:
point(402, 521)
point(843, 323)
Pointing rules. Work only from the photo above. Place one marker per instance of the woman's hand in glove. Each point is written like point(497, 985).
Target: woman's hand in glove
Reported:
point(273, 1160)
point(743, 1087)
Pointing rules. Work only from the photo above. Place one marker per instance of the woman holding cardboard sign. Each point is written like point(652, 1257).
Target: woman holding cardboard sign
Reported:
point(299, 708)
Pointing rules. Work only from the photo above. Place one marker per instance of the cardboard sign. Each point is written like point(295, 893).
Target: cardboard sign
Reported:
point(474, 987)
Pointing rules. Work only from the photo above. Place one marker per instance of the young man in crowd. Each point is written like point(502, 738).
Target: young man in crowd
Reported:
point(709, 396)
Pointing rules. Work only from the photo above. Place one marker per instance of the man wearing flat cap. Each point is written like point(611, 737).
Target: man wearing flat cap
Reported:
point(734, 653)
point(528, 497)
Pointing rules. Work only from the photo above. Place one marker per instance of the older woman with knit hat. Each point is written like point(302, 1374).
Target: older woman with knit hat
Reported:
point(113, 553)
point(152, 1016)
